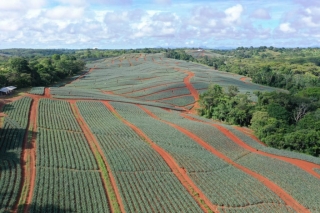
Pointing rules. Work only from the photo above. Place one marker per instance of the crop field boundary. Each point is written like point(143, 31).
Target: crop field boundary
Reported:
point(287, 198)
point(112, 192)
point(194, 191)
point(306, 166)
point(28, 160)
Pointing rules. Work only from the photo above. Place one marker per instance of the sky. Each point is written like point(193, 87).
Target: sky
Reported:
point(130, 24)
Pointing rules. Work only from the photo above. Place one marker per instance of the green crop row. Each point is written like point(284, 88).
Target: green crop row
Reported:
point(143, 178)
point(10, 179)
point(62, 190)
point(66, 180)
point(156, 89)
point(206, 132)
point(259, 208)
point(19, 111)
point(167, 94)
point(300, 184)
point(11, 140)
point(180, 101)
point(37, 90)
point(64, 149)
point(222, 183)
point(56, 114)
point(251, 142)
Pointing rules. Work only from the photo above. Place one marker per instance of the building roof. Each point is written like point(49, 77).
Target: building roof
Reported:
point(7, 89)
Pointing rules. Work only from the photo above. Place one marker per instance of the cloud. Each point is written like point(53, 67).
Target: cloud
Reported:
point(233, 13)
point(63, 13)
point(261, 14)
point(21, 5)
point(286, 28)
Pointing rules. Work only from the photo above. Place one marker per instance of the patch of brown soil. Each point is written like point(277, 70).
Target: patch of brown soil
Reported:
point(47, 92)
point(29, 156)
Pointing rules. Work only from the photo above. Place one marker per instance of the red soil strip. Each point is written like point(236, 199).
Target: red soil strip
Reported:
point(177, 171)
point(193, 91)
point(29, 153)
point(47, 92)
point(304, 165)
point(272, 186)
point(245, 79)
point(94, 145)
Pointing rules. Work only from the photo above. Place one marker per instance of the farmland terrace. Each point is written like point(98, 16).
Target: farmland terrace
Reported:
point(124, 137)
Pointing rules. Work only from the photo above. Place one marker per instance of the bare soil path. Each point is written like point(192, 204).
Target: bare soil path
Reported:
point(47, 92)
point(177, 171)
point(272, 186)
point(306, 166)
point(29, 157)
point(95, 147)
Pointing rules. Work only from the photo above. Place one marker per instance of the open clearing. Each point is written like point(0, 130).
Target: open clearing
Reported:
point(124, 137)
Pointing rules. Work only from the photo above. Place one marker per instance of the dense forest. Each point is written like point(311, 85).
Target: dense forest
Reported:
point(39, 70)
point(281, 120)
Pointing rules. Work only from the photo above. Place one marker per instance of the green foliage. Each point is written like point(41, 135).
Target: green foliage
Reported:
point(230, 106)
point(39, 71)
point(283, 121)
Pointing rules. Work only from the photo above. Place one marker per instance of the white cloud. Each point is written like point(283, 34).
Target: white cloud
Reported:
point(63, 12)
point(233, 13)
point(21, 5)
point(286, 28)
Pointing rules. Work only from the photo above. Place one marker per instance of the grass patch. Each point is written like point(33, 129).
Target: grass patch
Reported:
point(105, 175)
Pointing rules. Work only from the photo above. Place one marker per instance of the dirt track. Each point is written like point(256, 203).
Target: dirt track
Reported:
point(29, 155)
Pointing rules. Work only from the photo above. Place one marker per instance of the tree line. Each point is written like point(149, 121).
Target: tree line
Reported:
point(281, 120)
point(38, 71)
